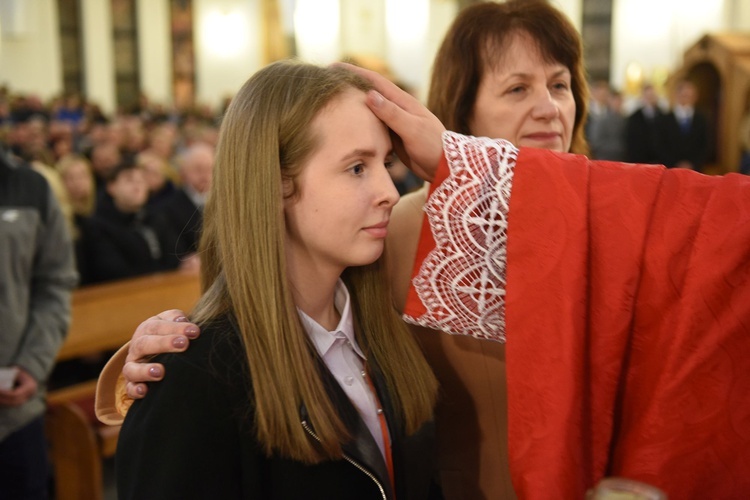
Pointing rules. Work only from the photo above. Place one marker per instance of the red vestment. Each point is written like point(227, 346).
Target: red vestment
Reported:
point(627, 318)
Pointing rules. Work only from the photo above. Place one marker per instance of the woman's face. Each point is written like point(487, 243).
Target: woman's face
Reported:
point(129, 190)
point(340, 212)
point(78, 182)
point(525, 100)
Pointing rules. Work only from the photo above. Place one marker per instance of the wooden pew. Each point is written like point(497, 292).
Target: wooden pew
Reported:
point(104, 318)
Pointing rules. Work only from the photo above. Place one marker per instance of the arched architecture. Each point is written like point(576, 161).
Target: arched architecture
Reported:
point(719, 65)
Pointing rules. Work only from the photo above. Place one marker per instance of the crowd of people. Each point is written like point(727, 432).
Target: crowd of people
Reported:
point(132, 186)
point(304, 379)
point(677, 137)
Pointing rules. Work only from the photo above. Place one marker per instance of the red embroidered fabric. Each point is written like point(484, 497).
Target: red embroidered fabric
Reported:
point(628, 319)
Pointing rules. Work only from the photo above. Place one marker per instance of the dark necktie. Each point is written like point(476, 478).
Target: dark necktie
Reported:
point(685, 125)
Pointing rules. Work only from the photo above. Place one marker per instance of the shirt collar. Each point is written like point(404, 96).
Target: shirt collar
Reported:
point(683, 112)
point(198, 199)
point(324, 339)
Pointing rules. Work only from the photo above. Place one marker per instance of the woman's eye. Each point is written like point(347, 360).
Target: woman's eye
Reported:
point(561, 86)
point(357, 169)
point(389, 163)
point(516, 90)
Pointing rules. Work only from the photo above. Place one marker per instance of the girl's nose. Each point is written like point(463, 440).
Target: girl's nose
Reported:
point(387, 192)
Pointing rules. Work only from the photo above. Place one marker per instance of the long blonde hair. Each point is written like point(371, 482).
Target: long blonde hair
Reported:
point(264, 141)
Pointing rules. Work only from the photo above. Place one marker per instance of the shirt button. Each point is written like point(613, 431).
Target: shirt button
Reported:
point(348, 380)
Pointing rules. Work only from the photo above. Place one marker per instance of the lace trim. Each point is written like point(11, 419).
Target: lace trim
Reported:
point(462, 281)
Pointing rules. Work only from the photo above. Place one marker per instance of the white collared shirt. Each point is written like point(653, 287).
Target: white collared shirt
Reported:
point(345, 360)
point(683, 113)
point(198, 199)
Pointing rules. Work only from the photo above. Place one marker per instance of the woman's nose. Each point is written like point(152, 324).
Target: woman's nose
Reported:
point(545, 107)
point(387, 192)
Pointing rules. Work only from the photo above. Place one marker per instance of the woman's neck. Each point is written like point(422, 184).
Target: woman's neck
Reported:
point(314, 294)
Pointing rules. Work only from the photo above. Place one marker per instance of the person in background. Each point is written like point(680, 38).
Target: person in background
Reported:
point(642, 142)
point(598, 106)
point(162, 139)
point(105, 157)
point(78, 180)
point(156, 172)
point(607, 138)
point(305, 381)
point(38, 274)
point(184, 209)
point(683, 132)
point(123, 238)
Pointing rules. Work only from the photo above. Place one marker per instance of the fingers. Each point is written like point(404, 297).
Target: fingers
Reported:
point(157, 343)
point(137, 374)
point(420, 131)
point(387, 88)
point(19, 395)
point(9, 399)
point(394, 116)
point(136, 391)
point(420, 134)
point(170, 316)
point(169, 331)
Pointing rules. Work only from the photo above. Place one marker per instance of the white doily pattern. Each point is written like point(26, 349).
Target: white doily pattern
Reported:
point(462, 281)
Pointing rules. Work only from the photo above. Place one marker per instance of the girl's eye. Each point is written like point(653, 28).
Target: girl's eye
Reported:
point(358, 169)
point(389, 163)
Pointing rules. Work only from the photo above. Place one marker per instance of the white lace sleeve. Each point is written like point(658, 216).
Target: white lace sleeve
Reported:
point(462, 280)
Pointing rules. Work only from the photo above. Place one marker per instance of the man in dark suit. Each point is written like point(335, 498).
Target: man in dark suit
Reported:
point(683, 132)
point(641, 134)
point(184, 209)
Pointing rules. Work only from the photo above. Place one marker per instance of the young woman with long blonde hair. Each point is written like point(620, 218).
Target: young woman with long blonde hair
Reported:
point(305, 382)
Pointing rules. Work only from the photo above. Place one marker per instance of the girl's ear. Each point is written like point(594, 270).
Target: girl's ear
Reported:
point(287, 189)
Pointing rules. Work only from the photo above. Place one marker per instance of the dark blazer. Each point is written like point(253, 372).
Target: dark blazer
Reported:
point(641, 137)
point(192, 438)
point(185, 220)
point(676, 146)
point(115, 245)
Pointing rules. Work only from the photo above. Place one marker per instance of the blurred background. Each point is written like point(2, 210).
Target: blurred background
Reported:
point(120, 54)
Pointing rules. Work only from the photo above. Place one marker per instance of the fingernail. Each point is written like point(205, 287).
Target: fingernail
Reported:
point(179, 342)
point(155, 372)
point(181, 319)
point(140, 390)
point(376, 98)
point(192, 332)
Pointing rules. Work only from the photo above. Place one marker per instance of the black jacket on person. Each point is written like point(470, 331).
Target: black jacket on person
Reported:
point(676, 146)
point(185, 220)
point(116, 245)
point(192, 438)
point(641, 137)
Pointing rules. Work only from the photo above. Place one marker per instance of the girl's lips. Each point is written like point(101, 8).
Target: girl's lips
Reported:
point(378, 230)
